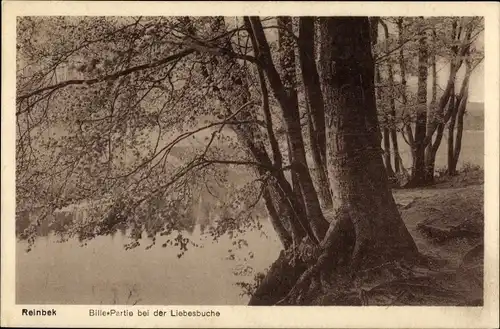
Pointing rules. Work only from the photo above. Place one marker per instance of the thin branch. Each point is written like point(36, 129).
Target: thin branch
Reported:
point(108, 77)
point(221, 52)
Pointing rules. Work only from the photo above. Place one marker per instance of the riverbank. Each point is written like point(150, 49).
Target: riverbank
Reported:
point(446, 221)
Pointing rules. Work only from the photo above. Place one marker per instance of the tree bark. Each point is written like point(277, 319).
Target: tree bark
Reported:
point(459, 51)
point(314, 98)
point(368, 230)
point(287, 64)
point(460, 128)
point(355, 164)
point(284, 235)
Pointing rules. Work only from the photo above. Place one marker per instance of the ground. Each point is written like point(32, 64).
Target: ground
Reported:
point(446, 222)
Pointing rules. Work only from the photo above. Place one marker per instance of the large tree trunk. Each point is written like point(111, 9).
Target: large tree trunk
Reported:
point(418, 166)
point(314, 99)
point(355, 162)
point(287, 65)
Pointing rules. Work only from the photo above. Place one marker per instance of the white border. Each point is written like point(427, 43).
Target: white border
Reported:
point(242, 316)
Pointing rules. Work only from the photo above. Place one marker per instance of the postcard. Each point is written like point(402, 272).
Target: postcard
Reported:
point(250, 164)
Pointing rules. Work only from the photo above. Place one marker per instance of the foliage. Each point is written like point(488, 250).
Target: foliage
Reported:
point(111, 123)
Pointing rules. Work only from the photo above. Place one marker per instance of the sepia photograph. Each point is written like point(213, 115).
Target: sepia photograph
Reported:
point(258, 160)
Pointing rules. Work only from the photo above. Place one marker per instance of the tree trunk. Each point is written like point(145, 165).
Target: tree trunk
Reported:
point(418, 166)
point(287, 65)
point(387, 153)
point(368, 230)
point(354, 155)
point(291, 117)
point(315, 103)
point(386, 137)
point(392, 123)
point(451, 138)
point(392, 104)
point(432, 117)
point(395, 151)
point(460, 112)
point(404, 99)
point(284, 235)
point(286, 212)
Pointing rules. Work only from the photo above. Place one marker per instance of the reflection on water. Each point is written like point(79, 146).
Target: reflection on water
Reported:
point(104, 273)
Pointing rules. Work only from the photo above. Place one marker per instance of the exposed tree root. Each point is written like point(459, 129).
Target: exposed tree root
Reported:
point(334, 278)
point(336, 249)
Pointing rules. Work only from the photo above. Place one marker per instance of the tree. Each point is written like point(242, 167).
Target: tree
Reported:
point(291, 117)
point(459, 106)
point(315, 105)
point(418, 166)
point(355, 163)
point(367, 230)
point(433, 115)
point(430, 40)
point(385, 120)
point(398, 163)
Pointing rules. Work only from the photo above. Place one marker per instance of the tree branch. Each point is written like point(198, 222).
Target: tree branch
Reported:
point(220, 51)
point(108, 77)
